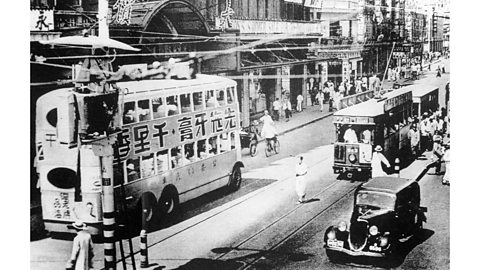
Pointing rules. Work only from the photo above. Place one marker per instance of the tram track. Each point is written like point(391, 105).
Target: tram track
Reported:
point(244, 199)
point(290, 234)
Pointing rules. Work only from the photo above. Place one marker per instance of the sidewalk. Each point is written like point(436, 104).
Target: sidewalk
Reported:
point(389, 84)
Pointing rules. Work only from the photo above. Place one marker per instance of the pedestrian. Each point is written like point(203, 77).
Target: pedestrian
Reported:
point(443, 67)
point(319, 99)
point(446, 158)
point(287, 107)
point(377, 159)
point(313, 93)
point(82, 250)
point(300, 180)
point(437, 153)
point(299, 102)
point(414, 137)
point(439, 71)
point(277, 106)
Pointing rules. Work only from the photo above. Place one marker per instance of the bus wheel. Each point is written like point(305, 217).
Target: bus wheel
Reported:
point(147, 211)
point(168, 203)
point(235, 179)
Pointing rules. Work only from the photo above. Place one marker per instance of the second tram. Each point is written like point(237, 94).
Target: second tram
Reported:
point(383, 121)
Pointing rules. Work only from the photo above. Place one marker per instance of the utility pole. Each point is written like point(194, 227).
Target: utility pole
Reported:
point(102, 19)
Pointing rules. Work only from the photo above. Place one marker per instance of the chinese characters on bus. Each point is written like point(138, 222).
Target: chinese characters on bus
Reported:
point(158, 134)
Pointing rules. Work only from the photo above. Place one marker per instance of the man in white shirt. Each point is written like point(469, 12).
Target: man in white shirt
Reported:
point(300, 181)
point(277, 106)
point(299, 102)
point(377, 159)
point(350, 136)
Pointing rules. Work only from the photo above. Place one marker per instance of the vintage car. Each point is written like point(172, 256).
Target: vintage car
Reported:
point(386, 212)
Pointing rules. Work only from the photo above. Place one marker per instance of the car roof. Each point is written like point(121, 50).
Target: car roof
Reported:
point(387, 184)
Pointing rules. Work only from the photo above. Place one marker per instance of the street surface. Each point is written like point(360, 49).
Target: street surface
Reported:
point(261, 226)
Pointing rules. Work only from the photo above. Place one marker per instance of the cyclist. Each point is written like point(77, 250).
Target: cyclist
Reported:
point(269, 131)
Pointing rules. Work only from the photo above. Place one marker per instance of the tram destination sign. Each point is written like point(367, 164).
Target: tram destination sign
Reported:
point(397, 100)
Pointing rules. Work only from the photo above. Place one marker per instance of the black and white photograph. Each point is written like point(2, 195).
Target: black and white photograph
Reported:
point(243, 134)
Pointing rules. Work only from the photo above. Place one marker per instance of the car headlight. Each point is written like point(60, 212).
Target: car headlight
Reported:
point(342, 226)
point(383, 241)
point(352, 158)
point(373, 230)
point(331, 235)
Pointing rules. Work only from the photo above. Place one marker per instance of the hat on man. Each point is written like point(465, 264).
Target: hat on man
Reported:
point(378, 148)
point(131, 166)
point(437, 138)
point(78, 225)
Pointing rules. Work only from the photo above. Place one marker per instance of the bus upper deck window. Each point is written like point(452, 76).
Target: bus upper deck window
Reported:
point(186, 103)
point(213, 145)
point(133, 172)
point(172, 105)
point(211, 100)
point(162, 161)
point(144, 110)
point(129, 114)
point(230, 95)
point(198, 103)
point(118, 173)
point(147, 167)
point(159, 108)
point(221, 96)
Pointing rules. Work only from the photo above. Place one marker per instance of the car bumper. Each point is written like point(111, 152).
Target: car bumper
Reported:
point(337, 168)
point(356, 253)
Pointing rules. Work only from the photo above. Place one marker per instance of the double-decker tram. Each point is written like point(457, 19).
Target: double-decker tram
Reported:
point(380, 121)
point(425, 98)
point(178, 140)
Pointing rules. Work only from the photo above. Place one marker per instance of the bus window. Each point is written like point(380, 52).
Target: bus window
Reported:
point(211, 100)
point(224, 142)
point(221, 96)
point(178, 157)
point(129, 115)
point(147, 167)
point(172, 105)
point(212, 145)
point(162, 161)
point(230, 95)
point(118, 174)
point(159, 108)
point(232, 140)
point(198, 103)
point(144, 110)
point(133, 172)
point(202, 149)
point(190, 151)
point(186, 103)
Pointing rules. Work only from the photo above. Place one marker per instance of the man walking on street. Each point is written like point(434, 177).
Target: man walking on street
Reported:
point(377, 159)
point(276, 109)
point(82, 251)
point(287, 107)
point(319, 99)
point(300, 185)
point(414, 137)
point(299, 102)
point(446, 158)
point(437, 153)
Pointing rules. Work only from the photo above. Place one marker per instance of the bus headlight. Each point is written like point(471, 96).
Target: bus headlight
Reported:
point(373, 230)
point(352, 158)
point(383, 241)
point(331, 235)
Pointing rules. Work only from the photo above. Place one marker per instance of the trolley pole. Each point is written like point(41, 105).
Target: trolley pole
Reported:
point(104, 149)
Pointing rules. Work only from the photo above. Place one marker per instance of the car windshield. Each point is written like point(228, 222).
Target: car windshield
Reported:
point(376, 199)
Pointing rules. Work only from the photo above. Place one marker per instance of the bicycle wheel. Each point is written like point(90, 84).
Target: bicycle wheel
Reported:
point(267, 150)
point(276, 147)
point(253, 148)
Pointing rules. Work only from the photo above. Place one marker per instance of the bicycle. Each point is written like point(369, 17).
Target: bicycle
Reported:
point(272, 145)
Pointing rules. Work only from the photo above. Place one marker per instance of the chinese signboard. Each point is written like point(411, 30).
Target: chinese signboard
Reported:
point(153, 136)
point(122, 11)
point(225, 19)
point(41, 20)
point(397, 100)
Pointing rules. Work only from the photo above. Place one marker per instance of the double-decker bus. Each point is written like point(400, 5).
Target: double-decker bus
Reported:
point(179, 139)
point(380, 121)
